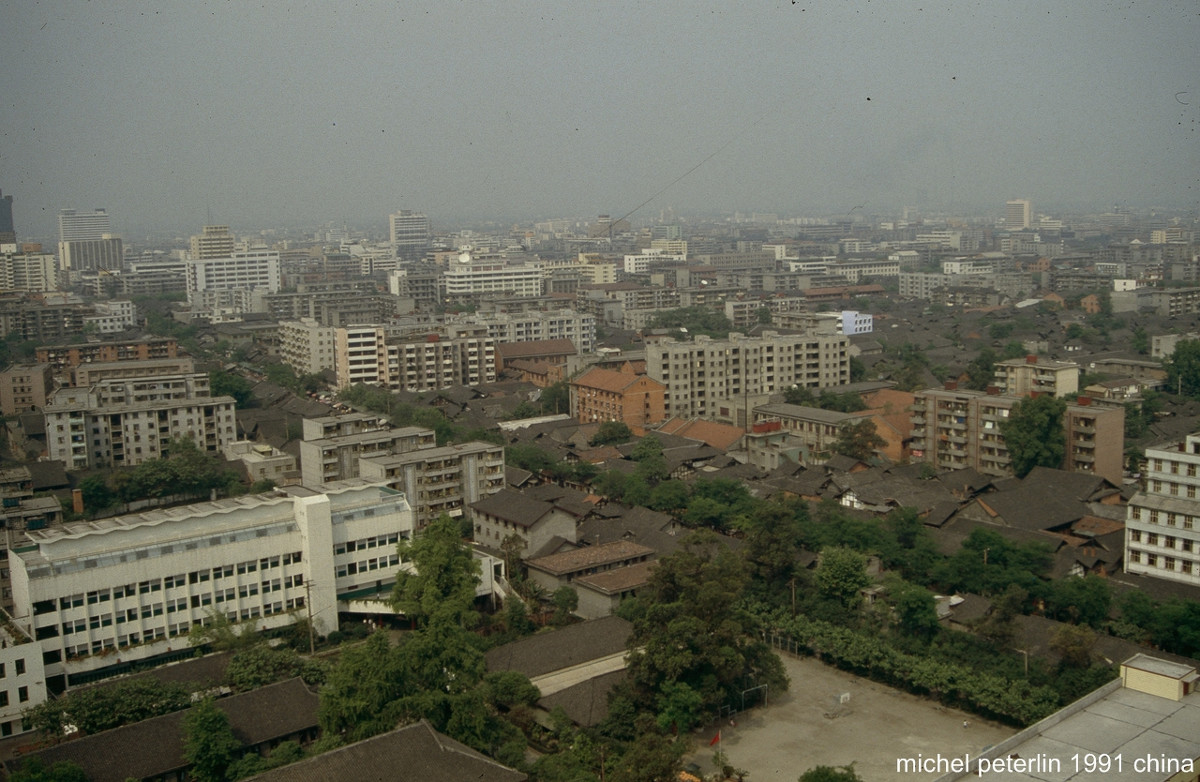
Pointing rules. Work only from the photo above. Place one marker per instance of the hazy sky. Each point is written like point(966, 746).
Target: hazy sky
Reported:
point(290, 112)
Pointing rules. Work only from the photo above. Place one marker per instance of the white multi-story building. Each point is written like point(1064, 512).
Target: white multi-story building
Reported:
point(410, 233)
point(97, 595)
point(112, 316)
point(1018, 214)
point(307, 346)
point(1162, 526)
point(578, 327)
point(853, 322)
point(702, 373)
point(641, 263)
point(214, 241)
point(122, 422)
point(439, 480)
point(81, 226)
point(472, 275)
point(35, 271)
point(1024, 376)
point(335, 457)
point(856, 271)
point(968, 266)
point(250, 269)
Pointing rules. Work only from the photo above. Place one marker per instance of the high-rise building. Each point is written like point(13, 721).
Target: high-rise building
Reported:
point(1162, 526)
point(75, 226)
point(1018, 214)
point(214, 242)
point(28, 269)
point(8, 232)
point(410, 233)
point(701, 375)
point(107, 253)
point(249, 270)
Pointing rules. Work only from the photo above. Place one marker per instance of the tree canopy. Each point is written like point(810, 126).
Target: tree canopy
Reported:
point(444, 574)
point(1183, 369)
point(858, 440)
point(1034, 435)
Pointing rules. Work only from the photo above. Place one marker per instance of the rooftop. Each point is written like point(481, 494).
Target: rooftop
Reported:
point(590, 557)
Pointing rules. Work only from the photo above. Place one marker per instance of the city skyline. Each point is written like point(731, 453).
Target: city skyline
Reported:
point(307, 113)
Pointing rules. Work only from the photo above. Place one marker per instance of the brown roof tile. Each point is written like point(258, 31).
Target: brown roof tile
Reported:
point(590, 556)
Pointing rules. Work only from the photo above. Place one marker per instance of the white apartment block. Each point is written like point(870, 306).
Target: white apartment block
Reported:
point(122, 422)
point(440, 480)
point(702, 373)
point(1162, 526)
point(22, 679)
point(307, 346)
point(366, 354)
point(360, 355)
point(503, 327)
point(214, 241)
point(853, 322)
point(336, 457)
point(251, 270)
point(856, 271)
point(474, 275)
point(96, 594)
point(35, 272)
point(112, 316)
point(641, 263)
point(968, 266)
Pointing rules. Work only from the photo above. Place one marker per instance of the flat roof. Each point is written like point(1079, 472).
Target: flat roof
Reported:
point(1144, 662)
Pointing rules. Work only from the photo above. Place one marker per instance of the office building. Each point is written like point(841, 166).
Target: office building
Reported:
point(214, 241)
point(82, 226)
point(96, 597)
point(410, 234)
point(249, 270)
point(415, 362)
point(122, 422)
point(1018, 214)
point(1162, 525)
point(88, 255)
point(956, 428)
point(701, 374)
point(8, 231)
point(475, 274)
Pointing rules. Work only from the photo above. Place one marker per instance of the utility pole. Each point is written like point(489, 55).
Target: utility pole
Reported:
point(312, 637)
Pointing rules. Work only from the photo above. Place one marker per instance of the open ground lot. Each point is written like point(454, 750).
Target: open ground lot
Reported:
point(876, 726)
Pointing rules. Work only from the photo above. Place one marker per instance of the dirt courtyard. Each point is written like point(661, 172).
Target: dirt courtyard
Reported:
point(874, 728)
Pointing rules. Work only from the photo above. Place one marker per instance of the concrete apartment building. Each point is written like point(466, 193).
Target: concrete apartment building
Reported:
point(248, 269)
point(610, 395)
point(957, 428)
point(1029, 375)
point(812, 431)
point(76, 226)
point(307, 346)
point(213, 241)
point(25, 387)
point(437, 480)
point(335, 457)
point(27, 268)
point(122, 422)
point(702, 374)
point(88, 255)
point(534, 326)
point(67, 357)
point(1162, 526)
point(96, 596)
point(421, 362)
point(90, 373)
point(409, 233)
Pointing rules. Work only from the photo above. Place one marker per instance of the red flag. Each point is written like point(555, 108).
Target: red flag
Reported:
point(715, 739)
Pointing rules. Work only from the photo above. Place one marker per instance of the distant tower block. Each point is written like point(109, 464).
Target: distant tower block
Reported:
point(1018, 214)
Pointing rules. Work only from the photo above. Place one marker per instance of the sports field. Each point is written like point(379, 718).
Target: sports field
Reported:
point(805, 728)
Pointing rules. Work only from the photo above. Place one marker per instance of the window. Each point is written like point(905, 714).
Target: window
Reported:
point(22, 694)
point(3, 697)
point(20, 666)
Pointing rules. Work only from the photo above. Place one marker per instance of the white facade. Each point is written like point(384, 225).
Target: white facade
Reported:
point(252, 269)
point(1162, 528)
point(470, 276)
point(856, 323)
point(968, 266)
point(122, 422)
point(639, 264)
point(1018, 214)
point(307, 346)
point(22, 679)
point(94, 594)
point(35, 272)
point(79, 226)
point(578, 327)
point(112, 316)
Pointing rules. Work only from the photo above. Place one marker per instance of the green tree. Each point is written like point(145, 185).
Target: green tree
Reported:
point(359, 696)
point(697, 320)
point(97, 495)
point(800, 395)
point(1033, 434)
point(611, 433)
point(1183, 369)
point(669, 496)
point(35, 770)
point(916, 611)
point(831, 774)
point(565, 600)
point(261, 665)
point(858, 440)
point(442, 583)
point(647, 447)
point(224, 383)
point(680, 707)
point(981, 372)
point(102, 708)
point(1074, 644)
point(1140, 341)
point(209, 745)
point(219, 634)
point(858, 370)
point(1080, 600)
point(528, 457)
point(556, 398)
point(841, 574)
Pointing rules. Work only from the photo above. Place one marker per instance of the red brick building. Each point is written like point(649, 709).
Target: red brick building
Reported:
point(609, 395)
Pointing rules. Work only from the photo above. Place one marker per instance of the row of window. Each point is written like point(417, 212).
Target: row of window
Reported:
point(1182, 520)
point(18, 664)
point(1152, 539)
point(367, 565)
point(22, 696)
point(1185, 566)
point(1157, 466)
point(367, 543)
